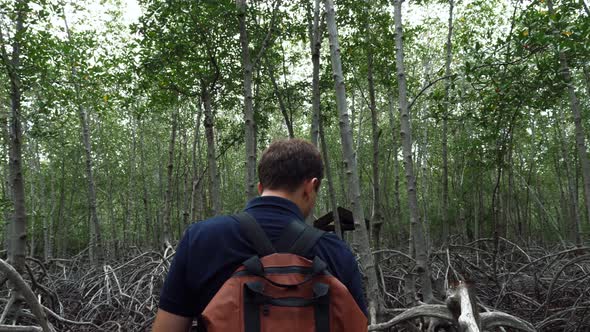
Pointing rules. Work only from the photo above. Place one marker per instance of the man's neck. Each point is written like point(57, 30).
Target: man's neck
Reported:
point(286, 195)
point(278, 193)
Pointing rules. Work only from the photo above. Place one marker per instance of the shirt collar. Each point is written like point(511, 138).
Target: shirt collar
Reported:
point(275, 201)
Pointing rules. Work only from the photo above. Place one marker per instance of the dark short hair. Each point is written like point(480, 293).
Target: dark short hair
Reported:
point(287, 163)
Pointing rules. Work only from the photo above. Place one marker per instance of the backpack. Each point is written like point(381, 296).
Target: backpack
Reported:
point(281, 290)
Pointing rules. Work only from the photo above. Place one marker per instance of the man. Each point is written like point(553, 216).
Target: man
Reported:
point(290, 172)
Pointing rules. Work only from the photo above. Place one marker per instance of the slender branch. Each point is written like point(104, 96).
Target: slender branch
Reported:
point(427, 87)
point(267, 38)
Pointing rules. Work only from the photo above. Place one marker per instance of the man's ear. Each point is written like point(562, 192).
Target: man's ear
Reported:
point(260, 189)
point(316, 184)
point(310, 185)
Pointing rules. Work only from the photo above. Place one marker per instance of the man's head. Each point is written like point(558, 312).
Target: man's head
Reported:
point(293, 169)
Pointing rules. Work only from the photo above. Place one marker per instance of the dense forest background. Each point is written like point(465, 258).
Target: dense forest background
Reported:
point(443, 123)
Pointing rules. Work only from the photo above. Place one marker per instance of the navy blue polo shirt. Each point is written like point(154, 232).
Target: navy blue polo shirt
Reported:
point(211, 250)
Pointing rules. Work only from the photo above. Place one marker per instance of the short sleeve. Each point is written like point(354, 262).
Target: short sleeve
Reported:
point(175, 297)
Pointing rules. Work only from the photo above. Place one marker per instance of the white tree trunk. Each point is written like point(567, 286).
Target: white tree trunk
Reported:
point(196, 201)
point(331, 191)
point(395, 147)
point(280, 99)
point(6, 185)
point(95, 249)
point(376, 215)
point(587, 80)
point(445, 179)
point(130, 199)
point(315, 40)
point(169, 187)
point(250, 123)
point(366, 257)
point(144, 185)
point(573, 229)
point(419, 244)
point(48, 224)
point(577, 114)
point(214, 190)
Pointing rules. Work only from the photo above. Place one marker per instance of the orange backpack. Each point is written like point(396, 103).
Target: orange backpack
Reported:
point(279, 290)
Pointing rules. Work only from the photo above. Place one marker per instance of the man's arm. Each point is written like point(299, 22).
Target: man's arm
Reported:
point(168, 322)
point(175, 310)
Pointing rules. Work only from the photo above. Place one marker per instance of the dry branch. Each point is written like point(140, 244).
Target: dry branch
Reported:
point(426, 310)
point(467, 315)
point(491, 320)
point(23, 288)
point(15, 328)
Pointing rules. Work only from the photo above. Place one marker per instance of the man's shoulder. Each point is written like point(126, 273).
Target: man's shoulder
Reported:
point(332, 240)
point(222, 224)
point(331, 245)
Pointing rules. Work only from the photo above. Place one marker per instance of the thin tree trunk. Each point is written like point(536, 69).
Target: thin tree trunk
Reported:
point(282, 105)
point(130, 199)
point(422, 164)
point(144, 185)
point(6, 184)
point(574, 225)
point(422, 170)
point(359, 135)
point(174, 207)
point(211, 154)
point(478, 213)
point(331, 191)
point(95, 249)
point(315, 40)
point(250, 124)
point(48, 224)
point(509, 199)
point(196, 201)
point(112, 250)
point(422, 264)
point(61, 207)
point(587, 80)
point(445, 179)
point(19, 225)
point(169, 187)
point(395, 147)
point(366, 257)
point(248, 65)
point(564, 202)
point(376, 215)
point(186, 174)
point(575, 108)
point(34, 207)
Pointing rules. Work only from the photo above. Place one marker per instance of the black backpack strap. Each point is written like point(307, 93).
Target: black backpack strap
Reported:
point(254, 233)
point(290, 234)
point(298, 238)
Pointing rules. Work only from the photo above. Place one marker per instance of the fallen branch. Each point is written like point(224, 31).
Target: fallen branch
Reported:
point(15, 328)
point(71, 322)
point(493, 319)
point(24, 289)
point(425, 310)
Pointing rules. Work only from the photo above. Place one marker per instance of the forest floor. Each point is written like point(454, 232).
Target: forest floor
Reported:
point(550, 288)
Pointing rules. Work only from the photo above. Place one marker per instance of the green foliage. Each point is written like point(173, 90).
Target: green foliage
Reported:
point(506, 134)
